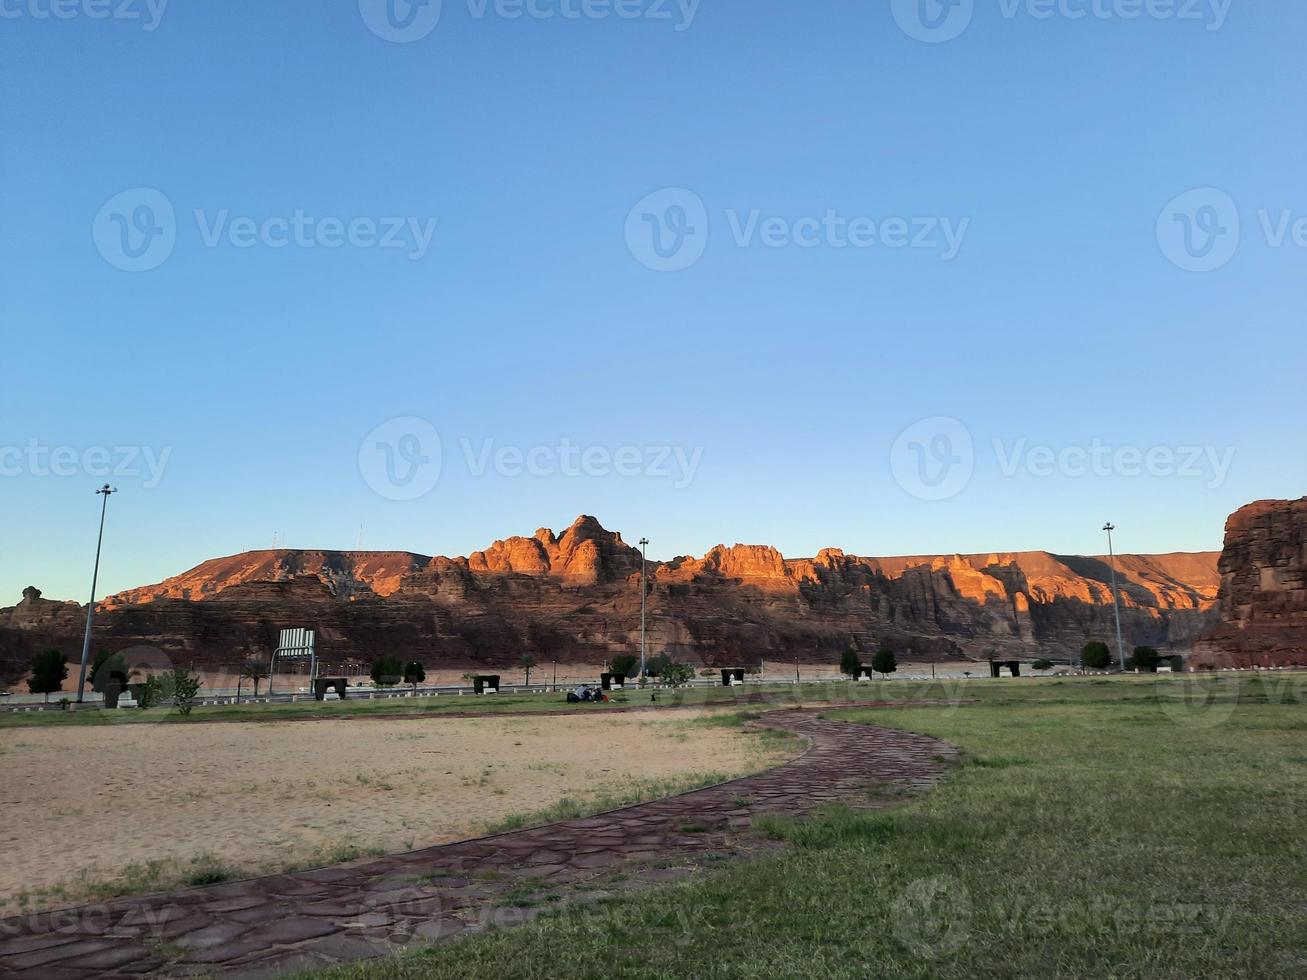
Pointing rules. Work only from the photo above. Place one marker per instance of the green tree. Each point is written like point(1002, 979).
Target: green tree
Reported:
point(527, 663)
point(1042, 664)
point(415, 674)
point(1146, 659)
point(625, 664)
point(49, 671)
point(850, 662)
point(884, 662)
point(109, 675)
point(185, 688)
point(1095, 655)
point(255, 669)
point(387, 671)
point(655, 665)
point(676, 675)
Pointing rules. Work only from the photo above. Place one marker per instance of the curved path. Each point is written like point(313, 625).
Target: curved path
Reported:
point(267, 926)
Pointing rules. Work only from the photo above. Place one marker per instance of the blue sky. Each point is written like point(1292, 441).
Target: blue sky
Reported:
point(815, 394)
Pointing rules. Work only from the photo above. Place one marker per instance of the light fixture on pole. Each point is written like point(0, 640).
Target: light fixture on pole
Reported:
point(644, 543)
point(95, 576)
point(1109, 527)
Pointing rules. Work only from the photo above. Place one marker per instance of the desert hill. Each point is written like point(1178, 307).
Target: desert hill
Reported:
point(574, 596)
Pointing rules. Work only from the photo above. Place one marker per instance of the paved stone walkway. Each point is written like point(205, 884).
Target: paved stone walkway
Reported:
point(368, 908)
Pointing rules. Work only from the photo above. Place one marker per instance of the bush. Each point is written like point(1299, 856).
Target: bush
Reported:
point(676, 675)
point(185, 688)
point(1146, 659)
point(1042, 664)
point(655, 665)
point(850, 662)
point(387, 671)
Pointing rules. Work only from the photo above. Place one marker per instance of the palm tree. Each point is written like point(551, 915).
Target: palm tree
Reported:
point(527, 662)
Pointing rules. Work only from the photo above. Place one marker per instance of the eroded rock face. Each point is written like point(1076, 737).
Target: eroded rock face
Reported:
point(1263, 594)
point(575, 596)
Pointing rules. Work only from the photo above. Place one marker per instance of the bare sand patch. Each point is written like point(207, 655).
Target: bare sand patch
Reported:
point(81, 806)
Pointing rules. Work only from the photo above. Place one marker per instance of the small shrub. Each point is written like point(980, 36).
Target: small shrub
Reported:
point(185, 688)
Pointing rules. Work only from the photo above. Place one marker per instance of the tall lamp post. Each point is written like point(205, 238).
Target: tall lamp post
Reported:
point(1109, 527)
point(90, 609)
point(644, 543)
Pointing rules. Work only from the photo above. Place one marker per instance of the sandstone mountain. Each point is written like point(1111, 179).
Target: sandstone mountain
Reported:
point(1263, 594)
point(575, 597)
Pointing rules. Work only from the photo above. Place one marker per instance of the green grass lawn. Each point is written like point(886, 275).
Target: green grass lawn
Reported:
point(1097, 827)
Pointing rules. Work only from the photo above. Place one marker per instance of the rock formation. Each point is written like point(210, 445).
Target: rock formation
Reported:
point(575, 596)
point(1263, 593)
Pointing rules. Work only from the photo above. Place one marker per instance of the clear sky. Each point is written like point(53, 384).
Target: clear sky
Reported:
point(1030, 351)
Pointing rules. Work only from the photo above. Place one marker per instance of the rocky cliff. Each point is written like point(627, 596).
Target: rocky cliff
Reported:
point(1263, 592)
point(575, 596)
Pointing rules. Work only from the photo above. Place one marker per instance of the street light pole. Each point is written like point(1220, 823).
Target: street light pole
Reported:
point(1109, 527)
point(95, 576)
point(644, 543)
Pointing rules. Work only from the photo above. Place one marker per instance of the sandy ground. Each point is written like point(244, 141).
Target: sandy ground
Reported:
point(89, 801)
